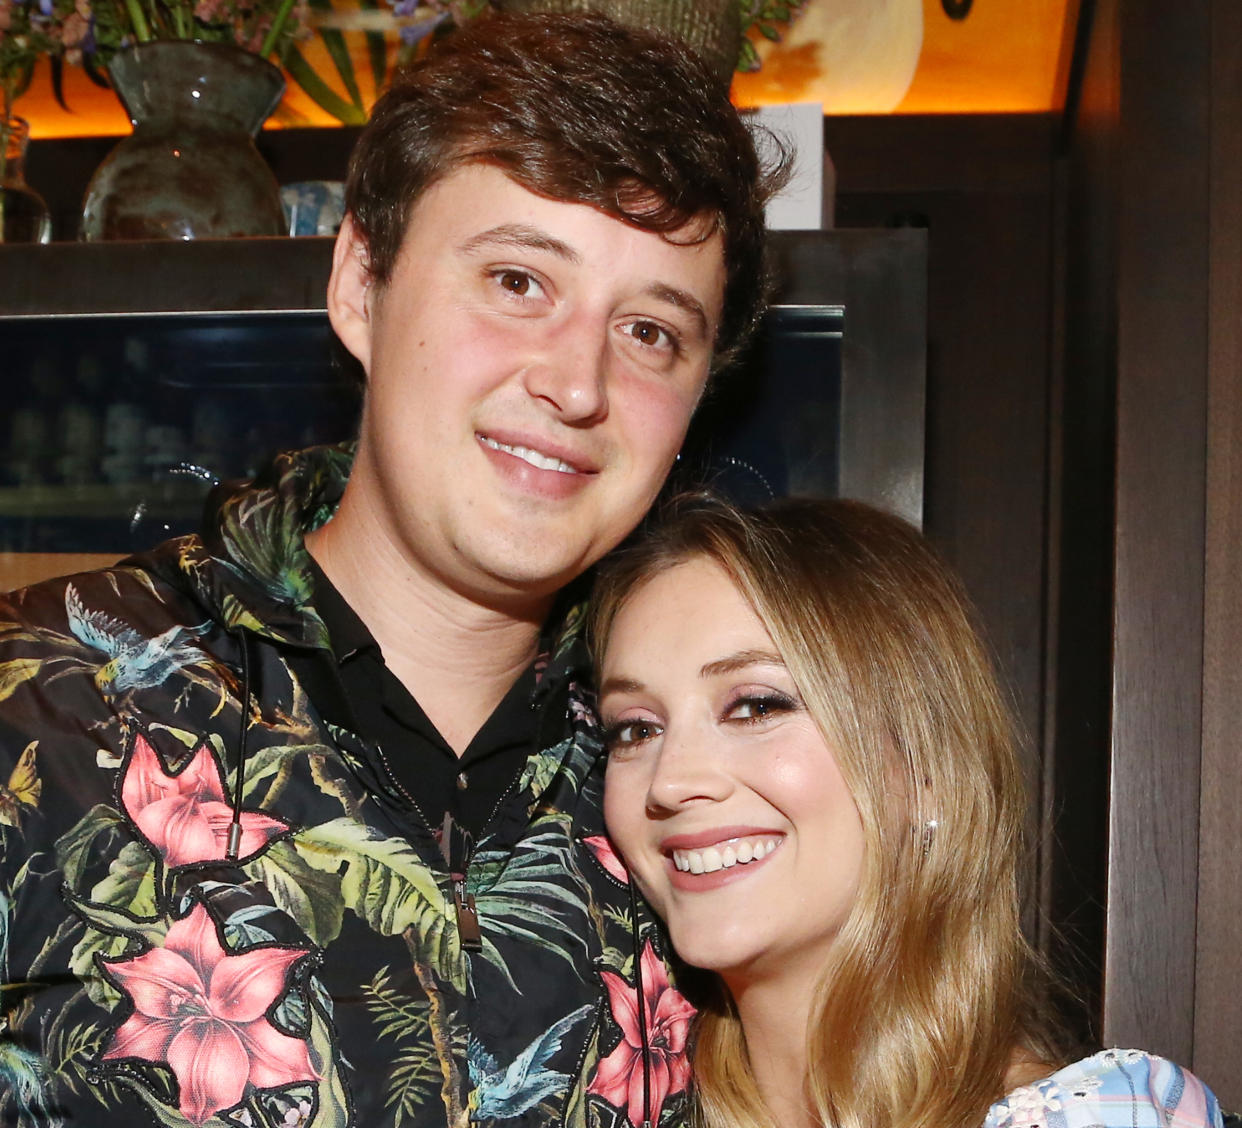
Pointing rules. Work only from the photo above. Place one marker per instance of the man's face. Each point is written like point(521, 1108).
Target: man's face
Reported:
point(532, 366)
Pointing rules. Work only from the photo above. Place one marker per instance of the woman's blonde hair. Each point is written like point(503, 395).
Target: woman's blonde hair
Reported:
point(925, 997)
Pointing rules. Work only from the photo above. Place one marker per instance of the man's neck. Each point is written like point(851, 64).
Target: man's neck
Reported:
point(456, 656)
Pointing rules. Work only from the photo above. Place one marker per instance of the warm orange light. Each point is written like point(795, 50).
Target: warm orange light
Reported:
point(1005, 57)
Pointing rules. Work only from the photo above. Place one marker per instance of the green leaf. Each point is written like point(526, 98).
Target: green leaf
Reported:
point(320, 92)
point(389, 886)
point(333, 1106)
point(14, 673)
point(183, 736)
point(112, 929)
point(310, 895)
point(377, 52)
point(576, 1104)
point(163, 1112)
point(74, 845)
point(119, 923)
point(338, 51)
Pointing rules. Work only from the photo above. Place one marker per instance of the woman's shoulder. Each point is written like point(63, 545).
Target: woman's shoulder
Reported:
point(1111, 1089)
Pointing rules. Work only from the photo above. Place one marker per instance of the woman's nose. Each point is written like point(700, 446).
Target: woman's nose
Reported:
point(688, 770)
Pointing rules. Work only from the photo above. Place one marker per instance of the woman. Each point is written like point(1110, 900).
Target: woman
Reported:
point(812, 779)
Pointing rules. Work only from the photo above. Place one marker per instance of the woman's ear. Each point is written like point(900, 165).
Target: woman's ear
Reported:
point(350, 293)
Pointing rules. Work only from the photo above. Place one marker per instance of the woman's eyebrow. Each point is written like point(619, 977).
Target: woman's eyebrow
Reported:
point(619, 685)
point(731, 663)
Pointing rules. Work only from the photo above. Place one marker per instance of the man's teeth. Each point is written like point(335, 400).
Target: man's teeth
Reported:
point(534, 457)
point(737, 852)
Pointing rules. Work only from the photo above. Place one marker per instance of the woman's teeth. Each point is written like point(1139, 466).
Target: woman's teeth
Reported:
point(737, 852)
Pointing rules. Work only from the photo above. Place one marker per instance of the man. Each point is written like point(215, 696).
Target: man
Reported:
point(302, 818)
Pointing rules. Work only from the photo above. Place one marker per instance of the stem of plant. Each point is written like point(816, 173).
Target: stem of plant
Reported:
point(6, 126)
point(278, 25)
point(142, 30)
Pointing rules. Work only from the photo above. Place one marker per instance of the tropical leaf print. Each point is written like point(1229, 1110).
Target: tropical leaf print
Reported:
point(73, 849)
point(572, 759)
point(311, 896)
point(525, 896)
point(387, 885)
point(14, 673)
point(577, 1107)
point(415, 1074)
point(73, 1052)
point(120, 908)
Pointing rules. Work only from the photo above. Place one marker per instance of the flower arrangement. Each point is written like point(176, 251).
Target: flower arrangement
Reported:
point(763, 16)
point(28, 29)
point(413, 22)
point(264, 27)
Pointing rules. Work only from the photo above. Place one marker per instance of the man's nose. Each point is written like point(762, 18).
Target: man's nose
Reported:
point(569, 371)
point(688, 770)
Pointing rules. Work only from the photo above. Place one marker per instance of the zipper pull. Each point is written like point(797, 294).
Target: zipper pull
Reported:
point(467, 918)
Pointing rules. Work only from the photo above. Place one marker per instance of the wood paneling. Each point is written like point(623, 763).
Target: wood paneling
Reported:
point(20, 569)
point(1218, 1018)
point(1158, 612)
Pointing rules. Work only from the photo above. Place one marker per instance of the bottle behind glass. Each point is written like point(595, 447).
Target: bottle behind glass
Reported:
point(24, 217)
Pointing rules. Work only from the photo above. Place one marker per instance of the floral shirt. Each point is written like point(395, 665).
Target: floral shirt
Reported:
point(1112, 1089)
point(314, 975)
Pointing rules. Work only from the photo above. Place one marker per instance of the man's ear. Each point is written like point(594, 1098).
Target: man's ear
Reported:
point(350, 293)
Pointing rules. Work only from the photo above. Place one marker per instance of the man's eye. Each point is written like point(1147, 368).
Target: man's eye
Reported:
point(517, 282)
point(650, 334)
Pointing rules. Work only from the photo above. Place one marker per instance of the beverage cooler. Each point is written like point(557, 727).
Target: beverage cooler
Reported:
point(137, 375)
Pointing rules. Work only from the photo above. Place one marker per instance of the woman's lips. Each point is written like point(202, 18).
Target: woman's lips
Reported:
point(709, 859)
point(725, 855)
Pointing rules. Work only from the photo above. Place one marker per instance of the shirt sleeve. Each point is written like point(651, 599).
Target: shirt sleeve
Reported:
point(1112, 1089)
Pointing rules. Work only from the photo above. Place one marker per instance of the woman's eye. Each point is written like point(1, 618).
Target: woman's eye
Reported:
point(758, 708)
point(627, 734)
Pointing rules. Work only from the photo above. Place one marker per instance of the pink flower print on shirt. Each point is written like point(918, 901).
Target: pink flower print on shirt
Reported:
point(201, 1011)
point(186, 816)
point(601, 846)
point(619, 1077)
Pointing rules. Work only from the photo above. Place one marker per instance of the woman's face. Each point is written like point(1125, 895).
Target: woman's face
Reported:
point(722, 795)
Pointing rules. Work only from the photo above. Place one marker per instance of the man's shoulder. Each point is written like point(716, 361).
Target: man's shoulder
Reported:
point(72, 602)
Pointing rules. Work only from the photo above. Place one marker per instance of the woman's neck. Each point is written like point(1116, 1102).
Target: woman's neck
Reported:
point(774, 1015)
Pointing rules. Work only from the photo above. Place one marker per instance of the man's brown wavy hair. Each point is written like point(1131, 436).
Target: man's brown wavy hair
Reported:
point(579, 109)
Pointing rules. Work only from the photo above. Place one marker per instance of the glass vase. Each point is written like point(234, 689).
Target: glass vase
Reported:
point(190, 169)
point(24, 217)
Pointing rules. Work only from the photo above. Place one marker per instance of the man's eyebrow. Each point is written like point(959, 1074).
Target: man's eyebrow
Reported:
point(682, 300)
point(524, 236)
point(731, 663)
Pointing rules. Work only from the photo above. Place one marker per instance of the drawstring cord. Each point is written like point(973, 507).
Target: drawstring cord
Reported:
point(636, 940)
point(235, 827)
